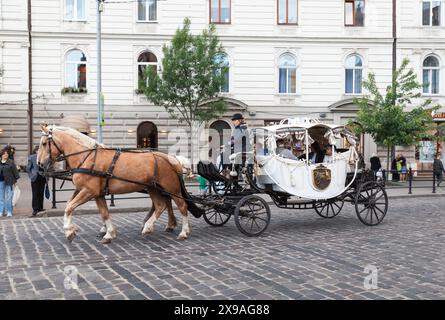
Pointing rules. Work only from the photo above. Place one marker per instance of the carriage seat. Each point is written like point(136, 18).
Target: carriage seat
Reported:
point(208, 171)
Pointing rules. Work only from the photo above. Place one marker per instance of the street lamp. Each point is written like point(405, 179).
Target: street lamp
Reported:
point(100, 8)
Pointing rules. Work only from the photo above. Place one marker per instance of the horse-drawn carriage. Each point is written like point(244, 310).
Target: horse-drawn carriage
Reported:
point(296, 183)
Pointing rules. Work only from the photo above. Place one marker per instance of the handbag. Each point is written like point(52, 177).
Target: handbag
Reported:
point(15, 195)
point(47, 194)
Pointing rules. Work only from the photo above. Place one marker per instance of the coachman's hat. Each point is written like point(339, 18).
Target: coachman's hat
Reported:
point(237, 116)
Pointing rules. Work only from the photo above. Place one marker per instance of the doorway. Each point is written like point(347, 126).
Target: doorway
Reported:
point(147, 135)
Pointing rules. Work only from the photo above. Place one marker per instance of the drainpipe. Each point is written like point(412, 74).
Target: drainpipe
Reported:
point(30, 105)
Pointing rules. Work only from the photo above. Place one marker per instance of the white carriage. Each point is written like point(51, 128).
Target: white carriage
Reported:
point(293, 177)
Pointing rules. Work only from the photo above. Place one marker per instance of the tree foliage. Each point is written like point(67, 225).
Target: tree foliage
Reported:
point(386, 117)
point(188, 86)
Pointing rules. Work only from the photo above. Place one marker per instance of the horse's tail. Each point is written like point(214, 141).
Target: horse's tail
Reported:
point(191, 206)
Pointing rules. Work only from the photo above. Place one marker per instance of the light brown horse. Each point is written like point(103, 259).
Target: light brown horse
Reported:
point(157, 173)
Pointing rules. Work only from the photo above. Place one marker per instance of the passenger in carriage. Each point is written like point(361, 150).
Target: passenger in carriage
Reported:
point(283, 150)
point(328, 154)
point(316, 155)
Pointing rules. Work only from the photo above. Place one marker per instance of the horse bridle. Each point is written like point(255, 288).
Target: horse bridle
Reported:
point(62, 156)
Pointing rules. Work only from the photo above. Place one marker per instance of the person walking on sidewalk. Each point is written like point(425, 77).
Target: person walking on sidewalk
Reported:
point(438, 169)
point(8, 177)
point(38, 182)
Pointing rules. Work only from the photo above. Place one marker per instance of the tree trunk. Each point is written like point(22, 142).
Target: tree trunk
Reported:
point(388, 158)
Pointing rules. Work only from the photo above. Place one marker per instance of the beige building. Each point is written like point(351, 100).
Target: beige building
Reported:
point(287, 58)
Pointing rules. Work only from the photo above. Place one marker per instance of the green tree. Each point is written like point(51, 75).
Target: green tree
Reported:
point(385, 118)
point(191, 78)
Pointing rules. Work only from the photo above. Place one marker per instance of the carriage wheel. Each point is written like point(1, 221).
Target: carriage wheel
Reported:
point(216, 217)
point(371, 203)
point(252, 215)
point(330, 208)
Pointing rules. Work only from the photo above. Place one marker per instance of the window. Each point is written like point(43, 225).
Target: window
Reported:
point(287, 74)
point(431, 76)
point(220, 11)
point(147, 10)
point(354, 13)
point(75, 69)
point(431, 11)
point(353, 74)
point(145, 59)
point(224, 62)
point(287, 11)
point(75, 10)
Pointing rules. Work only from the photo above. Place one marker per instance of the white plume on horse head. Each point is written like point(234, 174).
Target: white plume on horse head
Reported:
point(186, 164)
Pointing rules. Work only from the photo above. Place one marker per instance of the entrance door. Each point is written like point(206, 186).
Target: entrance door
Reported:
point(220, 132)
point(147, 135)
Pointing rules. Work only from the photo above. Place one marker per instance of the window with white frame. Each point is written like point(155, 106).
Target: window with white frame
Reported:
point(75, 69)
point(287, 73)
point(353, 74)
point(287, 11)
point(431, 75)
point(431, 12)
point(223, 61)
point(75, 10)
point(146, 60)
point(147, 10)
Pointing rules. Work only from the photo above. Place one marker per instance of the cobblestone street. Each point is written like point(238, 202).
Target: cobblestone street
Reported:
point(300, 256)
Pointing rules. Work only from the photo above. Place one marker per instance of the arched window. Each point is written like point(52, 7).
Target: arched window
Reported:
point(431, 75)
point(146, 59)
point(223, 61)
point(75, 69)
point(287, 73)
point(353, 74)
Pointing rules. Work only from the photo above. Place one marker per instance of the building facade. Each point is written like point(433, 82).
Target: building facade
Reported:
point(287, 58)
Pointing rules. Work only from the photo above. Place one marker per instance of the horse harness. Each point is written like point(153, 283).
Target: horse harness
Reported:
point(109, 173)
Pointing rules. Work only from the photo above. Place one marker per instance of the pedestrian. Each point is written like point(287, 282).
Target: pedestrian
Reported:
point(375, 164)
point(38, 182)
point(402, 167)
point(11, 151)
point(203, 186)
point(8, 177)
point(438, 169)
point(394, 171)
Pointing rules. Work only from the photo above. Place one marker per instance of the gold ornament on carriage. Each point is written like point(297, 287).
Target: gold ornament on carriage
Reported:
point(321, 177)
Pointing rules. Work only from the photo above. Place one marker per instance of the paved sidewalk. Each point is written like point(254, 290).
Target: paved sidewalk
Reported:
point(138, 202)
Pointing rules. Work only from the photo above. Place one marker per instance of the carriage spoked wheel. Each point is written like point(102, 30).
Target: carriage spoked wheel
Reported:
point(215, 217)
point(371, 203)
point(329, 208)
point(252, 215)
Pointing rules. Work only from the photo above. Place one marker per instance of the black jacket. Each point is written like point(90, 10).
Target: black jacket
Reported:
point(437, 166)
point(9, 172)
point(375, 163)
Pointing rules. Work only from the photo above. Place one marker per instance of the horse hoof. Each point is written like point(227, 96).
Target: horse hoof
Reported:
point(181, 237)
point(71, 237)
point(101, 235)
point(105, 241)
point(169, 229)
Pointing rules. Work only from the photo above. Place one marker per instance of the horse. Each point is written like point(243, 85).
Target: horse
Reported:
point(98, 171)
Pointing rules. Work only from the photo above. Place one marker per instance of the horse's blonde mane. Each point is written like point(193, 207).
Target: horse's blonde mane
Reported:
point(79, 137)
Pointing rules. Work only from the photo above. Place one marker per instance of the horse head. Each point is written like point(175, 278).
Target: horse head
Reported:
point(49, 150)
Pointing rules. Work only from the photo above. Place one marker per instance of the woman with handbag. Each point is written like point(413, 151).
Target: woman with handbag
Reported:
point(8, 177)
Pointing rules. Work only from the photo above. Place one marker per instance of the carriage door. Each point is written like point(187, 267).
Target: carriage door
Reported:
point(219, 135)
point(147, 135)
